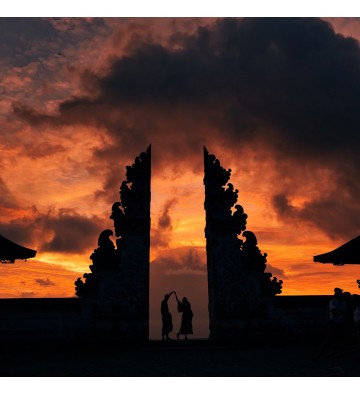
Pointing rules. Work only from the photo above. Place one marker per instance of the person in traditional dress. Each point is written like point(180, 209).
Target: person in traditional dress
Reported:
point(184, 307)
point(167, 325)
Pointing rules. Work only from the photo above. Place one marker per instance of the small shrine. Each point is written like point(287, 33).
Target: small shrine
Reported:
point(10, 251)
point(346, 254)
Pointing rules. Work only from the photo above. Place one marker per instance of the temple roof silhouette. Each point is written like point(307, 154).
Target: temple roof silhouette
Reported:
point(9, 251)
point(348, 253)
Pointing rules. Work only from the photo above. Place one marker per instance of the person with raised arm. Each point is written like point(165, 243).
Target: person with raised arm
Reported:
point(167, 325)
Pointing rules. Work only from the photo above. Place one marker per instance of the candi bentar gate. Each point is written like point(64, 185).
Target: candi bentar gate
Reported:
point(113, 298)
point(117, 289)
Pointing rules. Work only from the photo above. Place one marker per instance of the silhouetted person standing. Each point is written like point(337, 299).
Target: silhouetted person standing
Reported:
point(184, 307)
point(167, 325)
point(337, 323)
point(349, 333)
point(356, 305)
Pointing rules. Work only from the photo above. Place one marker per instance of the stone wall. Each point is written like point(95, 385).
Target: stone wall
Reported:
point(70, 321)
point(41, 320)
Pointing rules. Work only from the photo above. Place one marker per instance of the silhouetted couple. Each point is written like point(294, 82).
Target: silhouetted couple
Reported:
point(184, 307)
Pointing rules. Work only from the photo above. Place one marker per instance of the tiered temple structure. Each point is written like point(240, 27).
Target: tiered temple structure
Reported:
point(117, 289)
point(239, 288)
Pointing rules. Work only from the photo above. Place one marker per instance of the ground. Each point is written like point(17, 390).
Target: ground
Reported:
point(192, 358)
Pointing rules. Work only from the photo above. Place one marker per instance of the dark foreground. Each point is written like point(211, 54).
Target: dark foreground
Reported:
point(193, 358)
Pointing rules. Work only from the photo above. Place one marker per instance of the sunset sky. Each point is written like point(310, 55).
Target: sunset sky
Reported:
point(276, 100)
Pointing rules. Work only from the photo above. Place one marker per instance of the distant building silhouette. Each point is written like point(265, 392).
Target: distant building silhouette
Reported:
point(10, 251)
point(346, 254)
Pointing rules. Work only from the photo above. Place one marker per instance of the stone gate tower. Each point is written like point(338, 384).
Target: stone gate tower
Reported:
point(116, 291)
point(239, 289)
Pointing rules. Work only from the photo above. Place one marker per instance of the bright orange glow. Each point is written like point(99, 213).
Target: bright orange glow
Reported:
point(289, 250)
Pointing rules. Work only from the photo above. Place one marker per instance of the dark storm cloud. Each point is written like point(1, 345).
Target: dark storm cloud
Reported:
point(43, 149)
point(314, 274)
point(164, 221)
point(27, 295)
point(73, 233)
point(280, 273)
point(44, 283)
point(182, 260)
point(296, 75)
point(21, 230)
point(291, 85)
point(66, 231)
point(337, 218)
point(162, 232)
point(24, 40)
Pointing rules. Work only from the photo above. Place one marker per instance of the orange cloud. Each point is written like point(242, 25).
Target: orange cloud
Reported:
point(36, 279)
